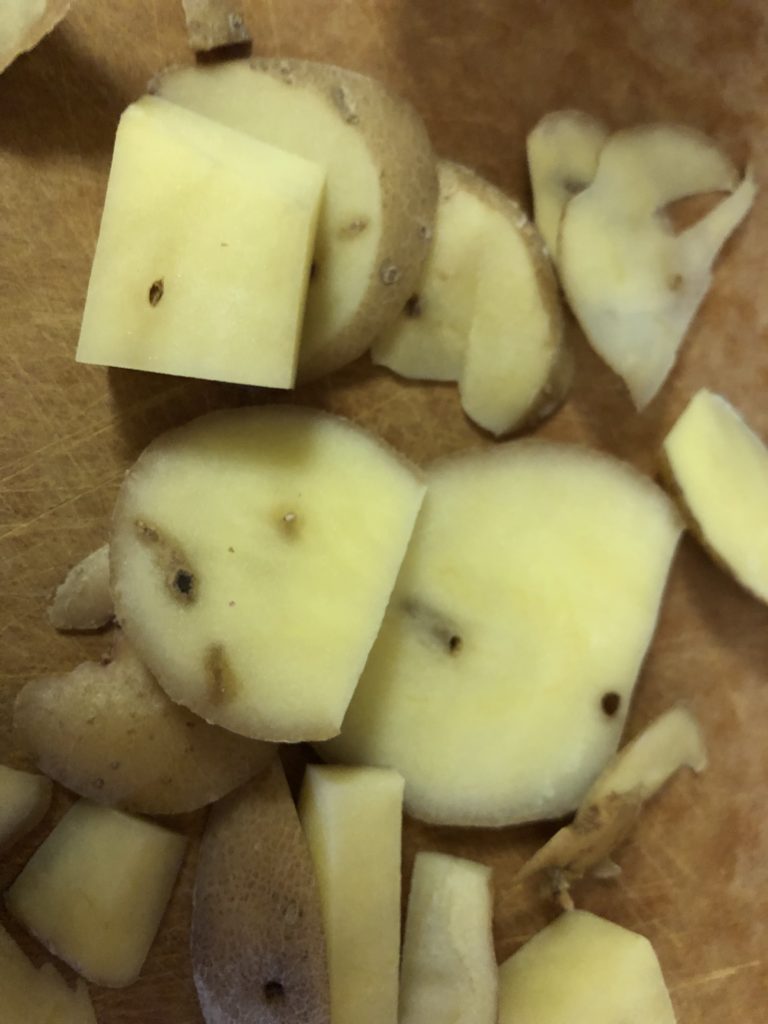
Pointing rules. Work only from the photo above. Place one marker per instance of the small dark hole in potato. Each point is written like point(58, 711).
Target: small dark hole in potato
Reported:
point(454, 644)
point(156, 290)
point(610, 703)
point(313, 270)
point(273, 990)
point(184, 581)
point(412, 307)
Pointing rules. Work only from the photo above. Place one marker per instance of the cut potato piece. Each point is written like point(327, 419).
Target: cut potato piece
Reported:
point(95, 891)
point(214, 23)
point(110, 733)
point(719, 469)
point(563, 150)
point(84, 600)
point(32, 996)
point(253, 555)
point(502, 674)
point(258, 949)
point(583, 968)
point(24, 801)
point(25, 22)
point(449, 973)
point(381, 187)
point(634, 284)
point(203, 257)
point(352, 820)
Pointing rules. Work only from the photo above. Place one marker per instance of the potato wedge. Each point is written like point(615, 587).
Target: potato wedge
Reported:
point(25, 22)
point(214, 23)
point(381, 186)
point(24, 801)
point(84, 601)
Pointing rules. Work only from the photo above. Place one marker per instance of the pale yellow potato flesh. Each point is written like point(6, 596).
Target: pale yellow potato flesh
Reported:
point(503, 672)
point(202, 263)
point(449, 973)
point(582, 968)
point(352, 821)
point(24, 801)
point(720, 471)
point(25, 22)
point(253, 554)
point(94, 892)
point(84, 601)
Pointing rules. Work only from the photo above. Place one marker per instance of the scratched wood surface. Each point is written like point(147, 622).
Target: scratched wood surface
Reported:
point(481, 71)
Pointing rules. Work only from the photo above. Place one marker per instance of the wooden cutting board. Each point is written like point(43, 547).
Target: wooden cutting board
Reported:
point(695, 876)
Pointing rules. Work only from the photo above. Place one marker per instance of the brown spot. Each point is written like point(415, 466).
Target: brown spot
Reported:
point(437, 627)
point(145, 532)
point(231, 551)
point(412, 308)
point(313, 270)
point(389, 272)
point(273, 990)
point(610, 703)
point(156, 291)
point(425, 232)
point(220, 680)
point(454, 644)
point(573, 187)
point(184, 584)
point(354, 228)
point(344, 104)
point(675, 282)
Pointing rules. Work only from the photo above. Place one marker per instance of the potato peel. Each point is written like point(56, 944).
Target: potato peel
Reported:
point(214, 23)
point(83, 602)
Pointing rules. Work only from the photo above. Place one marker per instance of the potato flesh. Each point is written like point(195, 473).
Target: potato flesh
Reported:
point(583, 968)
point(202, 263)
point(24, 800)
point(291, 559)
point(96, 889)
point(449, 973)
point(720, 468)
point(352, 820)
point(24, 24)
point(530, 590)
point(84, 600)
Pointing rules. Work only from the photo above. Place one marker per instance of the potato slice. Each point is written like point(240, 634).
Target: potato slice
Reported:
point(110, 733)
point(719, 471)
point(563, 150)
point(502, 674)
point(25, 22)
point(352, 820)
point(634, 284)
point(583, 968)
point(449, 968)
point(381, 187)
point(84, 601)
point(258, 949)
point(24, 802)
point(95, 891)
point(214, 23)
point(265, 542)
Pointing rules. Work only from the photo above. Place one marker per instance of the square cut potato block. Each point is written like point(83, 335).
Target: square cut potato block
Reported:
point(202, 263)
point(95, 891)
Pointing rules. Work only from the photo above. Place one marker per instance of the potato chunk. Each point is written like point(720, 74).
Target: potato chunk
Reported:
point(25, 22)
point(214, 23)
point(84, 601)
point(24, 801)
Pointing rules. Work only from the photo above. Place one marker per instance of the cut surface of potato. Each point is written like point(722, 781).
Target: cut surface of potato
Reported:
point(381, 186)
point(111, 734)
point(214, 23)
point(258, 949)
point(584, 968)
point(253, 555)
point(25, 22)
point(633, 283)
point(502, 674)
point(449, 973)
point(96, 889)
point(84, 600)
point(352, 820)
point(563, 150)
point(202, 263)
point(720, 471)
point(24, 800)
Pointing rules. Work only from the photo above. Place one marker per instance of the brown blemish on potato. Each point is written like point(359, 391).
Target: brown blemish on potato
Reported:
point(273, 990)
point(412, 308)
point(182, 582)
point(220, 680)
point(289, 523)
point(610, 703)
point(389, 273)
point(436, 626)
point(675, 282)
point(156, 291)
point(354, 228)
point(313, 270)
point(344, 104)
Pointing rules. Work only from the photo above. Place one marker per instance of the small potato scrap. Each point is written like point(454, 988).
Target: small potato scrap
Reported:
point(214, 23)
point(84, 601)
point(24, 801)
point(25, 22)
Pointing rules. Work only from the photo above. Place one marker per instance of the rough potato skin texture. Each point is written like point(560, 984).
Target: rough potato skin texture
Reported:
point(214, 23)
point(258, 947)
point(110, 734)
point(84, 601)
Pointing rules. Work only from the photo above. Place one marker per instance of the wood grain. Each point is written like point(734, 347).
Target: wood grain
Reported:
point(482, 71)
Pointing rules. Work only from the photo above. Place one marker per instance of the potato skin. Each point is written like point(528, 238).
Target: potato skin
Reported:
point(110, 734)
point(84, 601)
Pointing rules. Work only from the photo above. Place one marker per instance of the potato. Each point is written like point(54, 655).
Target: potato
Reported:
point(24, 802)
point(503, 671)
point(634, 284)
point(718, 469)
point(381, 187)
point(84, 601)
point(253, 555)
point(449, 968)
point(583, 968)
point(109, 733)
point(95, 891)
point(25, 22)
point(258, 949)
point(214, 23)
point(202, 263)
point(352, 821)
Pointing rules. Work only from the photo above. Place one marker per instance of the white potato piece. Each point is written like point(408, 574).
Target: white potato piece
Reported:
point(719, 471)
point(253, 554)
point(202, 263)
point(84, 601)
point(25, 22)
point(634, 285)
point(24, 801)
point(584, 968)
point(352, 821)
point(381, 188)
point(449, 973)
point(502, 675)
point(214, 23)
point(563, 150)
point(96, 889)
